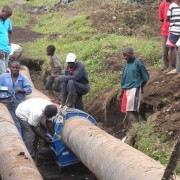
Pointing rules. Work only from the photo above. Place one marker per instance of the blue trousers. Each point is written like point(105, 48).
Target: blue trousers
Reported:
point(12, 108)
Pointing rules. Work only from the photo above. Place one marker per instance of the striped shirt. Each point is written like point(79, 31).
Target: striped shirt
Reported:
point(174, 15)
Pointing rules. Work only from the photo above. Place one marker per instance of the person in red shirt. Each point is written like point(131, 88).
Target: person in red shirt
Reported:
point(162, 16)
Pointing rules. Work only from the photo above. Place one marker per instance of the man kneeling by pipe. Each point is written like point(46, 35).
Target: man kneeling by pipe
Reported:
point(32, 113)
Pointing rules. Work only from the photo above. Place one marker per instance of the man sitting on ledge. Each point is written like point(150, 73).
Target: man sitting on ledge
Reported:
point(74, 83)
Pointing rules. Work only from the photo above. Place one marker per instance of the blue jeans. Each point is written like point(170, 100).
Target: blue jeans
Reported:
point(4, 63)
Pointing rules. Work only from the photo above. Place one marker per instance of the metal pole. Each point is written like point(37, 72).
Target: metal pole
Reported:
point(15, 160)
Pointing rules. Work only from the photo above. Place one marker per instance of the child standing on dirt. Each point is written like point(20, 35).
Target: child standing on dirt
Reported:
point(56, 68)
point(173, 16)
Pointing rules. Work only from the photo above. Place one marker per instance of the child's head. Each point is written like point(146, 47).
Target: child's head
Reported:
point(50, 50)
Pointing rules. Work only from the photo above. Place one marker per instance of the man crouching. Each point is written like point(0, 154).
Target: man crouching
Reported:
point(31, 114)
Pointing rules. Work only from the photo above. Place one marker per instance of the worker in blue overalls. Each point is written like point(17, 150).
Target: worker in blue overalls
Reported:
point(19, 86)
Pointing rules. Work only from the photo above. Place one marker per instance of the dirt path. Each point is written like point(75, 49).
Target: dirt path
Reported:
point(21, 35)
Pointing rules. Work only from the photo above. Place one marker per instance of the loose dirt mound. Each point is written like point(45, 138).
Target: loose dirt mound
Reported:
point(163, 95)
point(127, 19)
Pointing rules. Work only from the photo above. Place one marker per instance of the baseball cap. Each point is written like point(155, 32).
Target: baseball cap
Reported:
point(71, 57)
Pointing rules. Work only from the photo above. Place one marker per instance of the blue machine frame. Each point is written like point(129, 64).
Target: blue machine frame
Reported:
point(64, 156)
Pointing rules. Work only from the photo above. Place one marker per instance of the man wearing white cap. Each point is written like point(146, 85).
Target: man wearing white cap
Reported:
point(74, 83)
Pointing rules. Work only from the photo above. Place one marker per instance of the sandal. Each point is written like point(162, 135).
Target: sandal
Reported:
point(168, 70)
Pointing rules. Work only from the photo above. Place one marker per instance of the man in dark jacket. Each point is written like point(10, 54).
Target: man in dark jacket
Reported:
point(74, 83)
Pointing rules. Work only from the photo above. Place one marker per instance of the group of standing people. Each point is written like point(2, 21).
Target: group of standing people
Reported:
point(169, 15)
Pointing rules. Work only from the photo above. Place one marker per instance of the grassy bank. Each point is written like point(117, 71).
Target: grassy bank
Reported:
point(152, 143)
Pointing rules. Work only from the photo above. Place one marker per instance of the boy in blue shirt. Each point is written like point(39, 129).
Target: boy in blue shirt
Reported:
point(5, 38)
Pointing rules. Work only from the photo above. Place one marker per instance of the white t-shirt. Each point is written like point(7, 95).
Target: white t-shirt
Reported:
point(32, 111)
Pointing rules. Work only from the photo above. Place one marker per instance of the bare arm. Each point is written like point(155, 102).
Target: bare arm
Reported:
point(142, 86)
point(40, 134)
point(168, 19)
point(10, 35)
point(1, 54)
point(50, 127)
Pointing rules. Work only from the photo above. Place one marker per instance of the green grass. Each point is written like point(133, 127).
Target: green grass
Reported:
point(151, 142)
point(20, 18)
point(35, 3)
point(59, 23)
point(5, 3)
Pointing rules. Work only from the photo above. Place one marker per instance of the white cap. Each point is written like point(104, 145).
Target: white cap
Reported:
point(71, 57)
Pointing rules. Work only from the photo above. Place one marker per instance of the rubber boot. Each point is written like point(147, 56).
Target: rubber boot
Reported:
point(130, 139)
point(71, 100)
point(132, 118)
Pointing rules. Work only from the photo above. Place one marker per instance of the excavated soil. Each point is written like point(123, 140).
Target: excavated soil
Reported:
point(127, 19)
point(160, 103)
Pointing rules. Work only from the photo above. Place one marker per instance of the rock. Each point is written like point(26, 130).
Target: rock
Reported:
point(40, 9)
point(177, 96)
point(64, 2)
point(16, 52)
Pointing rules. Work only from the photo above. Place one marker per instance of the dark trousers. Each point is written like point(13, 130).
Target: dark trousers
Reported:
point(30, 138)
point(50, 85)
point(165, 54)
point(73, 87)
point(12, 108)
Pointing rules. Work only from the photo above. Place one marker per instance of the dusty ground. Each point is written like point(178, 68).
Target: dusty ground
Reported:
point(127, 20)
point(24, 35)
